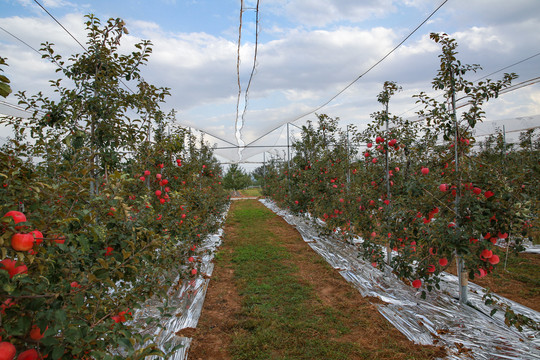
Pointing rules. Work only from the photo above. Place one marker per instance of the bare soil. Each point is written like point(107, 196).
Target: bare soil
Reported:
point(222, 305)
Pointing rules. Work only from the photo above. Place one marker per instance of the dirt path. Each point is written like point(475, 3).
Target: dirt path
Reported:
point(313, 314)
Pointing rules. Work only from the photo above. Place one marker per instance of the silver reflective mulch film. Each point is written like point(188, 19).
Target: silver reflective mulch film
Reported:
point(187, 300)
point(466, 331)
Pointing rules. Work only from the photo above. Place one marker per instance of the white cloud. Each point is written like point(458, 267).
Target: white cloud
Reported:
point(313, 13)
point(481, 39)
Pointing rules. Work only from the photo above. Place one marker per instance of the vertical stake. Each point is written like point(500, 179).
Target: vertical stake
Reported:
point(348, 159)
point(388, 194)
point(264, 170)
point(288, 162)
point(461, 272)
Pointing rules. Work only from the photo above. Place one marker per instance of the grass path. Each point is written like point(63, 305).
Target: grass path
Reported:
point(272, 297)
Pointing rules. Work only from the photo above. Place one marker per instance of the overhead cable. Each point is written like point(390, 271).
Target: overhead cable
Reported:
point(54, 61)
point(58, 22)
point(483, 77)
point(364, 73)
point(31, 47)
point(74, 38)
point(18, 107)
point(509, 66)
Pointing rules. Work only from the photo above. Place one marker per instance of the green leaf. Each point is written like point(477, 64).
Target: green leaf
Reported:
point(9, 288)
point(60, 316)
point(5, 90)
point(58, 352)
point(103, 263)
point(49, 341)
point(126, 343)
point(101, 273)
point(157, 352)
point(79, 300)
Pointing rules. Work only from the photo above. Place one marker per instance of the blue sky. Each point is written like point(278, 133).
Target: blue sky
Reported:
point(308, 51)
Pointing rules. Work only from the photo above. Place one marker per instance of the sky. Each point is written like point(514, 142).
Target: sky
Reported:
point(308, 51)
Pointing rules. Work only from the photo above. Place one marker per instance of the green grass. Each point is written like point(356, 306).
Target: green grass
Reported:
point(525, 271)
point(251, 192)
point(281, 317)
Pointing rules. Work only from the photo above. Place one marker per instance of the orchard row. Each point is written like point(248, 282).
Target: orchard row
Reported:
point(423, 193)
point(101, 209)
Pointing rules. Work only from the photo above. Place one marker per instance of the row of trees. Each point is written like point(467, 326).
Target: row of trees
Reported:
point(421, 194)
point(115, 199)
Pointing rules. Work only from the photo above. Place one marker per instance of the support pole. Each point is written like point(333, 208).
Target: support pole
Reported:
point(288, 148)
point(288, 162)
point(348, 159)
point(388, 194)
point(460, 262)
point(264, 170)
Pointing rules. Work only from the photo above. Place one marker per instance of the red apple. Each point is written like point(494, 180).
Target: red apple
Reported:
point(417, 283)
point(443, 261)
point(9, 266)
point(425, 171)
point(59, 239)
point(22, 242)
point(488, 194)
point(146, 172)
point(158, 193)
point(486, 254)
point(31, 354)
point(431, 269)
point(36, 334)
point(7, 351)
point(494, 259)
point(482, 273)
point(17, 217)
point(38, 236)
point(443, 187)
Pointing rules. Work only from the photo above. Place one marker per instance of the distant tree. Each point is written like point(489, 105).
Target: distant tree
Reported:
point(258, 175)
point(236, 178)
